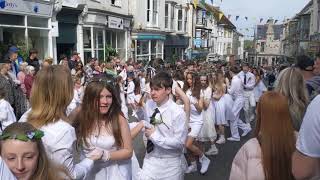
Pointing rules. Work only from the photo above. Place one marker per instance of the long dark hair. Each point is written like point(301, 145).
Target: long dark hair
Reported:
point(89, 114)
point(196, 85)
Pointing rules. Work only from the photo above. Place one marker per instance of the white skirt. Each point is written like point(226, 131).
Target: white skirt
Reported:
point(208, 130)
point(219, 109)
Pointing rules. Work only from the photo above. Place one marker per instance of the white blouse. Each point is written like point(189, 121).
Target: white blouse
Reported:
point(59, 141)
point(5, 172)
point(7, 116)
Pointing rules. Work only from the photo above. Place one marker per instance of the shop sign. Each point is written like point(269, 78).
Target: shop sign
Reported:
point(25, 7)
point(115, 23)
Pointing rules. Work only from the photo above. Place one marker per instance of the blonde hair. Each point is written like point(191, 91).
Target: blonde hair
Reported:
point(49, 60)
point(51, 93)
point(291, 84)
point(29, 69)
point(23, 66)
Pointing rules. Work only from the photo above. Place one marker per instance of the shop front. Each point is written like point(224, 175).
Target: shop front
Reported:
point(106, 35)
point(147, 46)
point(26, 24)
point(175, 47)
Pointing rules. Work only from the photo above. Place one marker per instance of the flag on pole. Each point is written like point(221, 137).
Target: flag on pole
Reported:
point(237, 17)
point(229, 16)
point(220, 15)
point(195, 3)
point(261, 19)
point(246, 18)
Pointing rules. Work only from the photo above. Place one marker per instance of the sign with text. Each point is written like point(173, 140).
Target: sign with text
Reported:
point(26, 7)
point(115, 23)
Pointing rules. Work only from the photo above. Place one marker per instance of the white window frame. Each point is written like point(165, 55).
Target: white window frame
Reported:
point(185, 19)
point(166, 16)
point(172, 17)
point(180, 20)
point(151, 12)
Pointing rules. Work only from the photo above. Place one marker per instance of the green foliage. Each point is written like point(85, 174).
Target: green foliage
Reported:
point(110, 51)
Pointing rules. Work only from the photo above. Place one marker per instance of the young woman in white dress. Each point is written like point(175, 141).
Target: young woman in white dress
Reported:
point(101, 125)
point(24, 154)
point(51, 93)
point(208, 130)
point(192, 89)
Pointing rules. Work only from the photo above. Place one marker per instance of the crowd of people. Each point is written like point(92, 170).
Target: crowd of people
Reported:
point(71, 121)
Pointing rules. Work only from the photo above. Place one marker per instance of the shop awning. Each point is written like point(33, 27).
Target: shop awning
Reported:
point(172, 40)
point(149, 37)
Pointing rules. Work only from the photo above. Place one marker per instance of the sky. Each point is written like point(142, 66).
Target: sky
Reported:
point(256, 9)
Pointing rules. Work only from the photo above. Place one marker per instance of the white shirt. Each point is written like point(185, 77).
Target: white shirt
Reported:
point(59, 140)
point(130, 88)
point(251, 80)
point(236, 88)
point(195, 116)
point(308, 141)
point(169, 137)
point(7, 116)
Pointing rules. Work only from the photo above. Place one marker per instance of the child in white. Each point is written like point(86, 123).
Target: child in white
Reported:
point(130, 92)
point(168, 133)
point(7, 116)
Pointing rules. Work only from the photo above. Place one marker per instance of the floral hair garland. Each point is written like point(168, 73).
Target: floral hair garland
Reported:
point(31, 135)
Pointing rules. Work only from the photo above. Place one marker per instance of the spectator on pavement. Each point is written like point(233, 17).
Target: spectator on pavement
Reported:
point(32, 60)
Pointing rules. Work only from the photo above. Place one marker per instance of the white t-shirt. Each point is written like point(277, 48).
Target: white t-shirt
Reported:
point(308, 141)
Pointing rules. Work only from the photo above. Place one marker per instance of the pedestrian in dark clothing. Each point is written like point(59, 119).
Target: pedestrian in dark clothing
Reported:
point(32, 60)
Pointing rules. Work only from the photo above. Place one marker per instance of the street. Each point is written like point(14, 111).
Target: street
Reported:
point(220, 165)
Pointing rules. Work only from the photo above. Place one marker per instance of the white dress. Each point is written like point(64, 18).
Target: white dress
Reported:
point(109, 170)
point(258, 90)
point(124, 107)
point(208, 131)
point(220, 109)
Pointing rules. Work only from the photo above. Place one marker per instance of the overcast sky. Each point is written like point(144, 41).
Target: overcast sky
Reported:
point(256, 9)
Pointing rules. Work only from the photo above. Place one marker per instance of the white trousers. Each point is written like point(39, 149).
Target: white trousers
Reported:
point(249, 105)
point(237, 122)
point(163, 168)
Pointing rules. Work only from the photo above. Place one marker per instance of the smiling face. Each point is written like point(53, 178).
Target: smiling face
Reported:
point(21, 157)
point(189, 80)
point(105, 101)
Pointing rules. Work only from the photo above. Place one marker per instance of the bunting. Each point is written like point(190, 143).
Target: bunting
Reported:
point(195, 3)
point(275, 22)
point(211, 1)
point(261, 19)
point(220, 16)
point(246, 18)
point(237, 17)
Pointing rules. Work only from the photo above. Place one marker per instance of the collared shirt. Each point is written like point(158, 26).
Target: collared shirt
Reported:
point(236, 88)
point(250, 80)
point(170, 136)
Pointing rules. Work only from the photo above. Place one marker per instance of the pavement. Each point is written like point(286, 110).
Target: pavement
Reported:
point(220, 165)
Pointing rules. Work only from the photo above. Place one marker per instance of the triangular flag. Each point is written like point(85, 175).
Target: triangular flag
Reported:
point(237, 17)
point(195, 3)
point(246, 18)
point(229, 16)
point(211, 1)
point(261, 19)
point(220, 15)
point(275, 21)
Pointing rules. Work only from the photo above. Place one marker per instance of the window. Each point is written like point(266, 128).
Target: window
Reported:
point(152, 12)
point(185, 20)
point(166, 16)
point(172, 17)
point(116, 3)
point(180, 19)
point(155, 12)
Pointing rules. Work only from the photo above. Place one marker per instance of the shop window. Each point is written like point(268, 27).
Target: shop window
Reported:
point(142, 47)
point(37, 22)
point(86, 38)
point(9, 19)
point(39, 39)
point(153, 46)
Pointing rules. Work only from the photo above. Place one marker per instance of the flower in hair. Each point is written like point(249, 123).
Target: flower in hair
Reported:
point(31, 135)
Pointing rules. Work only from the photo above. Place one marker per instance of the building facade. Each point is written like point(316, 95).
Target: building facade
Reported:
point(26, 24)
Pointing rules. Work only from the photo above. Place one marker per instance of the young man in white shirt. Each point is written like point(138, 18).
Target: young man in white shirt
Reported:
point(306, 159)
point(166, 133)
point(249, 81)
point(236, 91)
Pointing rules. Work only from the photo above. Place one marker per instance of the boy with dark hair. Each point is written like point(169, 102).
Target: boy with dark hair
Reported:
point(32, 59)
point(166, 133)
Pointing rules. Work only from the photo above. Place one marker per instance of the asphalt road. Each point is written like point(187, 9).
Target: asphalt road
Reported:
point(220, 165)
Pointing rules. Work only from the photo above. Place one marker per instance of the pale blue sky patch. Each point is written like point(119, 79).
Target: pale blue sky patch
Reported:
point(256, 9)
